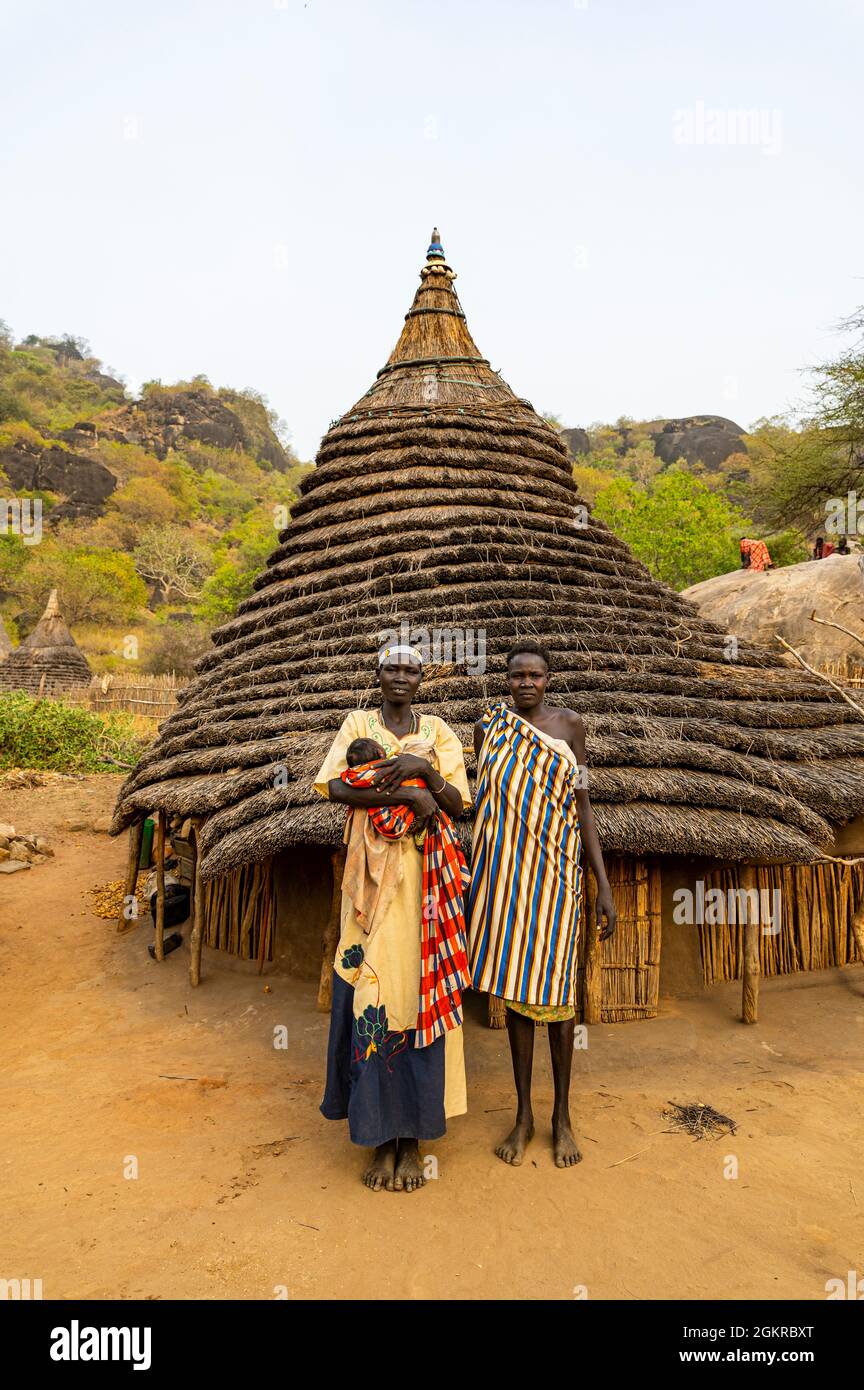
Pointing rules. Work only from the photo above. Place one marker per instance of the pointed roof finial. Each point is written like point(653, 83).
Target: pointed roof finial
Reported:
point(436, 250)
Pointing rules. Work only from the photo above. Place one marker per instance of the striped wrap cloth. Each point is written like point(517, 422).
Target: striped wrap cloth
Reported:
point(443, 944)
point(526, 872)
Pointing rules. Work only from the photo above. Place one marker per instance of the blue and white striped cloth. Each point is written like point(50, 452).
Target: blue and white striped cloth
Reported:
point(526, 873)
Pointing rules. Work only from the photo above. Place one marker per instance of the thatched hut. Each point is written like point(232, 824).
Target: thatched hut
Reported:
point(48, 661)
point(443, 501)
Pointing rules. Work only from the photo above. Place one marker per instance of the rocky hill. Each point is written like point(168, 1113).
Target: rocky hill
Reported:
point(706, 439)
point(59, 407)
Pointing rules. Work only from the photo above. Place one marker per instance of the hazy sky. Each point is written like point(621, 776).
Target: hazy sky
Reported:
point(247, 190)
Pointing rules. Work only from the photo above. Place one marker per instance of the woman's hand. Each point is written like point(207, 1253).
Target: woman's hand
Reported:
point(425, 809)
point(605, 907)
point(392, 773)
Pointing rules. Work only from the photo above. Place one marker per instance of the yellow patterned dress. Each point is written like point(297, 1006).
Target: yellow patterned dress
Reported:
point(376, 1078)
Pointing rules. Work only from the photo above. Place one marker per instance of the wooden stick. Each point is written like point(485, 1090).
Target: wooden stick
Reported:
point(592, 980)
point(193, 890)
point(267, 917)
point(136, 835)
point(331, 932)
point(751, 968)
point(826, 622)
point(858, 931)
point(160, 885)
point(197, 938)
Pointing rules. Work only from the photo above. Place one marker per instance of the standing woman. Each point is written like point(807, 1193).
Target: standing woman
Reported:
point(392, 1089)
point(532, 826)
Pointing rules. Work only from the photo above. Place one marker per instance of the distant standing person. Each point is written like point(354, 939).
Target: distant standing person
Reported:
point(532, 819)
point(754, 555)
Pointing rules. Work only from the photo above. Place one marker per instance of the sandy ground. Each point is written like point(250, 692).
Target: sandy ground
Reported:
point(242, 1188)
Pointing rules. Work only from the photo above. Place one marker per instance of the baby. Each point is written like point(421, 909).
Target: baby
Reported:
point(373, 862)
point(363, 750)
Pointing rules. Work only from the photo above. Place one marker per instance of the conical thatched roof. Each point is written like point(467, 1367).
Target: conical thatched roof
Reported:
point(443, 499)
point(48, 661)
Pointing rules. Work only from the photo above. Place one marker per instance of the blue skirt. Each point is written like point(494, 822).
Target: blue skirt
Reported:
point(389, 1091)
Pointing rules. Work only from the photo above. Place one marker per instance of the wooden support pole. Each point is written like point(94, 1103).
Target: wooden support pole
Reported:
point(331, 932)
point(197, 939)
point(266, 914)
point(160, 885)
point(751, 969)
point(136, 834)
point(193, 840)
point(592, 978)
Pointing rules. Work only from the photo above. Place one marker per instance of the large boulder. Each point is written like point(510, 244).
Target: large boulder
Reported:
point(163, 419)
point(706, 439)
point(82, 483)
point(761, 606)
point(578, 441)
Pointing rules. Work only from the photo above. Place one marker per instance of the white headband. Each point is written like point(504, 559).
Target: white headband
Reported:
point(387, 653)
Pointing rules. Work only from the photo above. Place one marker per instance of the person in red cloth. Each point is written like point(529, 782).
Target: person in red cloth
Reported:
point(754, 555)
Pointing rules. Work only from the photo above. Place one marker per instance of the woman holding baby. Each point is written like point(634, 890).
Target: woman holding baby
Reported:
point(395, 1064)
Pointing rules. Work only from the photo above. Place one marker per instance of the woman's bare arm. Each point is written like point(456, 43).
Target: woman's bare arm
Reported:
point(365, 797)
point(590, 839)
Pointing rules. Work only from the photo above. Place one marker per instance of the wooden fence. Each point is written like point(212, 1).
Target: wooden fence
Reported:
point(153, 697)
point(846, 670)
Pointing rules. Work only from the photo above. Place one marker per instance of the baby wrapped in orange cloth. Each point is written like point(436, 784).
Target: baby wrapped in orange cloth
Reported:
point(373, 871)
point(373, 862)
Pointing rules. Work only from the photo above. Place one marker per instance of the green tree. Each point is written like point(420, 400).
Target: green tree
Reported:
point(799, 468)
point(98, 586)
point(173, 561)
point(242, 555)
point(682, 530)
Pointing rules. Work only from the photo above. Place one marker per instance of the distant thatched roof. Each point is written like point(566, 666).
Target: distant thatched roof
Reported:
point(443, 499)
point(48, 661)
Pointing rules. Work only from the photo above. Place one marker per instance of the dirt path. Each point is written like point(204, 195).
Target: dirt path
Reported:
point(242, 1187)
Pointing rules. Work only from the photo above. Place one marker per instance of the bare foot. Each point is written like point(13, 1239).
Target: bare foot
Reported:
point(512, 1149)
point(409, 1169)
point(380, 1171)
point(564, 1144)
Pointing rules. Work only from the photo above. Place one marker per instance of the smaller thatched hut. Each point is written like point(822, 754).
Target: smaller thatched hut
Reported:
point(49, 660)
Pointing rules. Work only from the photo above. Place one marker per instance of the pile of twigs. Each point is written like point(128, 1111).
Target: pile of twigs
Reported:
point(702, 1121)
